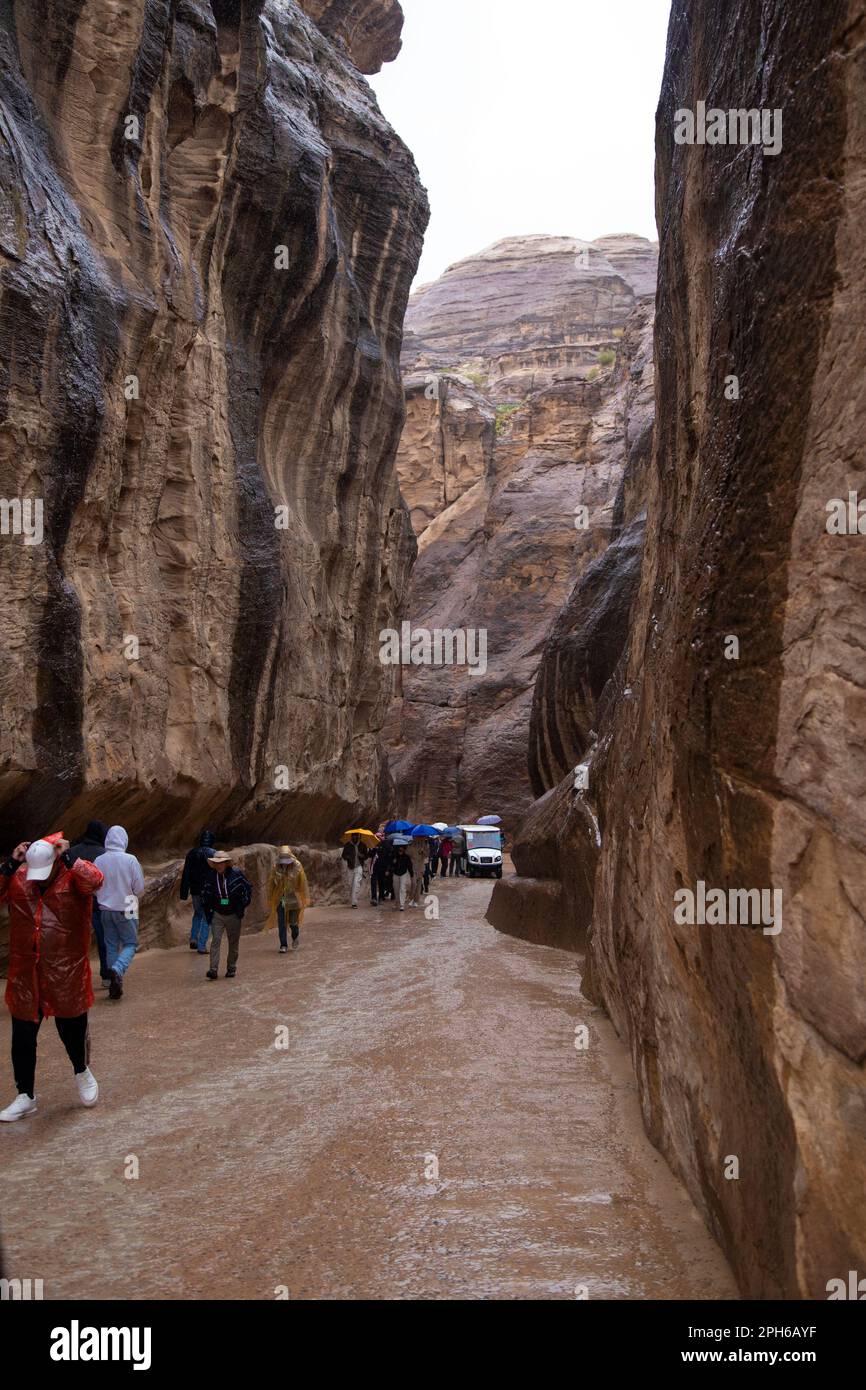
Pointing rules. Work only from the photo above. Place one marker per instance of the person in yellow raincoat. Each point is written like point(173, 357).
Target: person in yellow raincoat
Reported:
point(288, 895)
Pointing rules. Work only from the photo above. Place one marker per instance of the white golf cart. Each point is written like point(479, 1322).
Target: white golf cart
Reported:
point(483, 850)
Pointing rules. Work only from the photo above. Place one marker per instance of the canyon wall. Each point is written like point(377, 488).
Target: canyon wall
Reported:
point(722, 746)
point(516, 362)
point(207, 237)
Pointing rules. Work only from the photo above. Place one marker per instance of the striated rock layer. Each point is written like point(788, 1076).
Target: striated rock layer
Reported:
point(515, 396)
point(741, 768)
point(207, 237)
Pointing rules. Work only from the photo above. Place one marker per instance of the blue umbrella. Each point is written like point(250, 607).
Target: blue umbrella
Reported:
point(452, 830)
point(488, 820)
point(396, 827)
point(424, 832)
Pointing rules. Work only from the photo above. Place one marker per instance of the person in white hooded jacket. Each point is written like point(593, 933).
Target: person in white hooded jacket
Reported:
point(122, 883)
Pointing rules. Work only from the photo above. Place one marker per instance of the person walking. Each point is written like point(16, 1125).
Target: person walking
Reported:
point(226, 894)
point(434, 857)
point(419, 853)
point(89, 848)
point(118, 897)
point(49, 895)
point(380, 860)
point(194, 870)
point(288, 895)
point(353, 856)
point(458, 849)
point(401, 865)
point(445, 847)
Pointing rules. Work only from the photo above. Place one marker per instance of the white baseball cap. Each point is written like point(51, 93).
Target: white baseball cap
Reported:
point(40, 859)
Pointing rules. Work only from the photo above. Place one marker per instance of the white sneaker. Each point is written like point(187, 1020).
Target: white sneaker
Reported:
point(87, 1087)
point(21, 1107)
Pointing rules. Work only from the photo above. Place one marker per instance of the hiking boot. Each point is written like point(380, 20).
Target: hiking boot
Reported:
point(22, 1106)
point(88, 1089)
point(231, 972)
point(192, 946)
point(213, 975)
point(115, 989)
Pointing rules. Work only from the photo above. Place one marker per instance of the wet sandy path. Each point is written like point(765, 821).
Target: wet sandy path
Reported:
point(306, 1167)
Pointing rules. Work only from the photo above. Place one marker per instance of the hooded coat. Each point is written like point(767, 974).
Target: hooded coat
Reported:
point(288, 883)
point(123, 880)
point(49, 941)
point(93, 842)
point(195, 866)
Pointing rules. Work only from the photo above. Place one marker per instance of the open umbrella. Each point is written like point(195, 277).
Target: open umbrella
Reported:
point(452, 830)
point(399, 840)
point(439, 826)
point(488, 820)
point(396, 827)
point(424, 832)
point(368, 836)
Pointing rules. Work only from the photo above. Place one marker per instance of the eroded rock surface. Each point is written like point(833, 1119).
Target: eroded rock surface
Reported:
point(171, 656)
point(742, 768)
point(520, 364)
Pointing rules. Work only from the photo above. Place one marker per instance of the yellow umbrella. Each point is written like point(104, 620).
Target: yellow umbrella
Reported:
point(368, 836)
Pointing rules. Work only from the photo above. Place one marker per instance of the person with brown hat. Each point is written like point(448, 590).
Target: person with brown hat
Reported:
point(288, 895)
point(226, 894)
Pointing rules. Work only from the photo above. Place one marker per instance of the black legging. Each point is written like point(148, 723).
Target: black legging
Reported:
point(73, 1035)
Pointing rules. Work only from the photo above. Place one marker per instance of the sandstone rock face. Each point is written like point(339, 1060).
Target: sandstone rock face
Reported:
point(513, 423)
point(739, 767)
point(207, 237)
point(528, 311)
point(369, 30)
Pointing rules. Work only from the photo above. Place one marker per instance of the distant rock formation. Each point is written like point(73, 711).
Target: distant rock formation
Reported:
point(722, 748)
point(207, 237)
point(517, 363)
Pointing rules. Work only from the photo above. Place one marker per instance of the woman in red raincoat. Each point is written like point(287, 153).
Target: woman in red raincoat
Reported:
point(50, 910)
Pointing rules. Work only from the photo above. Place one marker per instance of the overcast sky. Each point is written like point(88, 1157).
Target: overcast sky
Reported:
point(528, 116)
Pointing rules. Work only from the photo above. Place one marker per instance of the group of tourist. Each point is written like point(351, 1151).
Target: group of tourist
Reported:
point(59, 894)
point(400, 867)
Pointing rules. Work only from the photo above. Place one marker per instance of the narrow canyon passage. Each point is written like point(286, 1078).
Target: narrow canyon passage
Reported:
point(307, 1167)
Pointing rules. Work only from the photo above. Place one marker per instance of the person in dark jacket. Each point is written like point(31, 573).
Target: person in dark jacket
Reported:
point(401, 865)
point(194, 871)
point(92, 845)
point(226, 894)
point(380, 863)
point(354, 857)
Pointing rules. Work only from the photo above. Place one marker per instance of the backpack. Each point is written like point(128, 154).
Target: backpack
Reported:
point(242, 891)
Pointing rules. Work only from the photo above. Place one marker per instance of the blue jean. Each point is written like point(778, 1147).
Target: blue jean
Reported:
point(96, 921)
point(199, 931)
point(121, 939)
point(293, 915)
